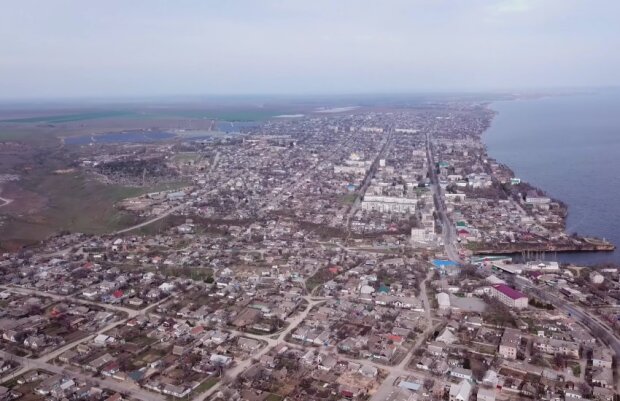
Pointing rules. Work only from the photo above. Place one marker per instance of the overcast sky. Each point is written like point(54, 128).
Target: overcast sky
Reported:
point(156, 47)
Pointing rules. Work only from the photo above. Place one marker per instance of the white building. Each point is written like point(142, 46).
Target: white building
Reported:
point(596, 278)
point(509, 344)
point(601, 358)
point(509, 296)
point(389, 204)
point(461, 391)
point(422, 235)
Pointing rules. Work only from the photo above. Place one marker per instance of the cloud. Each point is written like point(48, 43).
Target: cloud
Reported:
point(514, 6)
point(148, 47)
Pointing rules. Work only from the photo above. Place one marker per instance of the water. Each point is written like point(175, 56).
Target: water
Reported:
point(235, 126)
point(136, 136)
point(570, 147)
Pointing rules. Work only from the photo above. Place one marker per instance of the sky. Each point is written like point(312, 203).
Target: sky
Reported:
point(115, 48)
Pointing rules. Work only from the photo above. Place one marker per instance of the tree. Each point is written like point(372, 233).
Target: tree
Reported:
point(559, 360)
point(428, 383)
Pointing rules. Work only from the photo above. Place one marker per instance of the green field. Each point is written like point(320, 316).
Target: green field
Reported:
point(67, 118)
point(240, 115)
point(75, 203)
point(348, 199)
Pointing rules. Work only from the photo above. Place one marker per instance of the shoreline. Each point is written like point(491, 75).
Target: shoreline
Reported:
point(581, 248)
point(571, 243)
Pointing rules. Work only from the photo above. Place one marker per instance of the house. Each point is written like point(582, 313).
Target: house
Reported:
point(447, 337)
point(67, 356)
point(509, 344)
point(349, 391)
point(603, 377)
point(110, 369)
point(268, 361)
point(443, 300)
point(435, 348)
point(409, 385)
point(248, 344)
point(601, 358)
point(425, 364)
point(554, 346)
point(368, 371)
point(47, 385)
point(102, 340)
point(460, 391)
point(115, 397)
point(490, 378)
point(486, 394)
point(90, 294)
point(603, 394)
point(533, 198)
point(98, 363)
point(572, 394)
point(176, 391)
point(220, 359)
point(326, 362)
point(35, 342)
point(402, 395)
point(13, 336)
point(461, 373)
point(166, 287)
point(179, 350)
point(134, 301)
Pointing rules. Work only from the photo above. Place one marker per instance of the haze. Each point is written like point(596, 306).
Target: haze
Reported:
point(149, 48)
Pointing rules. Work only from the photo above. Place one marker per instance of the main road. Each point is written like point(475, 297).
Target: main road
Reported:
point(369, 176)
point(447, 228)
point(598, 329)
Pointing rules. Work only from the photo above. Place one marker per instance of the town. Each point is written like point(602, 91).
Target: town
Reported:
point(348, 254)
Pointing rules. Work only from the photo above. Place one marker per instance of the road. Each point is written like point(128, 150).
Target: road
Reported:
point(387, 387)
point(448, 231)
point(71, 298)
point(44, 362)
point(368, 178)
point(272, 342)
point(121, 387)
point(5, 201)
point(599, 330)
point(150, 221)
point(216, 159)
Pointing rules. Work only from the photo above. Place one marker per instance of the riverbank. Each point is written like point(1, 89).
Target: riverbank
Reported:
point(547, 247)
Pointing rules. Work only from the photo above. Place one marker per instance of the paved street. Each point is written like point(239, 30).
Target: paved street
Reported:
point(447, 228)
point(241, 366)
point(121, 387)
point(45, 361)
point(401, 369)
point(599, 329)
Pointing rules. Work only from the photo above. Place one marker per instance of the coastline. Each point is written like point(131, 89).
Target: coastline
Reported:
point(567, 243)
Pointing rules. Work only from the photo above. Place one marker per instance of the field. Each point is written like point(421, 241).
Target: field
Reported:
point(66, 118)
point(46, 204)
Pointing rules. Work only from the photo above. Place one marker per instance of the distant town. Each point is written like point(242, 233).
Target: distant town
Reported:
point(350, 253)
